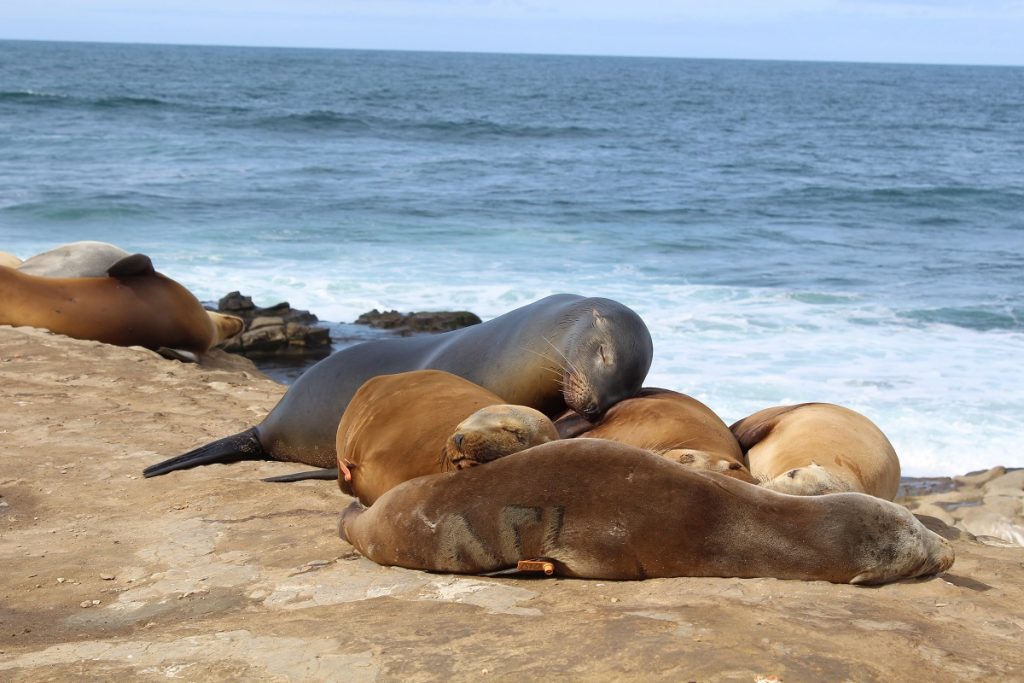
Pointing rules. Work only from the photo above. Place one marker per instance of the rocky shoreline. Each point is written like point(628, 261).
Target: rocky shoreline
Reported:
point(283, 341)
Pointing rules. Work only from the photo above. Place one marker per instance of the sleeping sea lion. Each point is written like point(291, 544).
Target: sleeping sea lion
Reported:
point(132, 306)
point(496, 431)
point(564, 351)
point(94, 259)
point(398, 427)
point(671, 424)
point(814, 448)
point(603, 510)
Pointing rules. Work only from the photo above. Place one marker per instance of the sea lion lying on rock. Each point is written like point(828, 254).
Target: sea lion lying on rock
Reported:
point(668, 423)
point(598, 509)
point(95, 259)
point(131, 305)
point(564, 351)
point(401, 426)
point(815, 448)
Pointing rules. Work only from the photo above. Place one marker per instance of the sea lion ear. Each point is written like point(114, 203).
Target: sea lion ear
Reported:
point(136, 264)
point(599, 320)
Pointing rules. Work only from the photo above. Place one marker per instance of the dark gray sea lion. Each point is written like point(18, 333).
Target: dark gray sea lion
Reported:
point(668, 423)
point(604, 510)
point(132, 305)
point(814, 448)
point(564, 351)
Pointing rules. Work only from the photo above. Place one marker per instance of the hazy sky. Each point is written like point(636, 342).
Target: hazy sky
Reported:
point(927, 31)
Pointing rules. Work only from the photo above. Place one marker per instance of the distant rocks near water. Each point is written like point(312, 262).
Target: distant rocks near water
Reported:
point(281, 330)
point(987, 504)
point(278, 329)
point(406, 324)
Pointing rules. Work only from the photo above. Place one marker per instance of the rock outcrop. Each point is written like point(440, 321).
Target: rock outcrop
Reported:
point(406, 324)
point(277, 330)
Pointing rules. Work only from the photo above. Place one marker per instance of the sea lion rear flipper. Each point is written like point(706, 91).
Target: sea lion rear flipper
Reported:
point(331, 473)
point(235, 448)
point(136, 264)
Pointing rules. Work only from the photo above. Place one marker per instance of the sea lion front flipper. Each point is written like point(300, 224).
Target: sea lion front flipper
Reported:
point(136, 264)
point(178, 354)
point(331, 473)
point(235, 448)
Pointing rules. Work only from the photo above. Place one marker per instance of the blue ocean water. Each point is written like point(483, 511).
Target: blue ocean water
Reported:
point(790, 232)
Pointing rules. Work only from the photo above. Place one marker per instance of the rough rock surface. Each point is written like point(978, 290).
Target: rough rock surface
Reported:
point(279, 329)
point(210, 574)
point(406, 324)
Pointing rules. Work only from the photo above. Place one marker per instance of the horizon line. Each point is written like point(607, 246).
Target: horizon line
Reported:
point(510, 54)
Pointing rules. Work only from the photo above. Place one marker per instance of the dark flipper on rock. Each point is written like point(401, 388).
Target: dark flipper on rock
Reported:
point(235, 448)
point(331, 473)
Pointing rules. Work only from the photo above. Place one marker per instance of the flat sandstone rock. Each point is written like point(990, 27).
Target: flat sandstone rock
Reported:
point(210, 574)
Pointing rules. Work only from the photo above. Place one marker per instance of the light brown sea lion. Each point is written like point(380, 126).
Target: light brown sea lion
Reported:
point(496, 431)
point(94, 259)
point(814, 448)
point(9, 260)
point(671, 424)
point(398, 427)
point(604, 510)
point(75, 259)
point(132, 306)
point(564, 351)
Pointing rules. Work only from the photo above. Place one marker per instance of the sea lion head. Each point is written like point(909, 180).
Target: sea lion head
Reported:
point(891, 543)
point(607, 358)
point(494, 432)
point(225, 326)
point(811, 480)
point(710, 462)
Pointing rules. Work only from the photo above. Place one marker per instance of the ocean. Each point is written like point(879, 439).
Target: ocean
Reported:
point(850, 233)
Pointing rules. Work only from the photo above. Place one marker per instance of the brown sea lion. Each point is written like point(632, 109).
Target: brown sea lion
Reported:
point(496, 431)
point(671, 424)
point(132, 306)
point(564, 351)
point(398, 427)
point(94, 259)
point(604, 510)
point(9, 260)
point(814, 448)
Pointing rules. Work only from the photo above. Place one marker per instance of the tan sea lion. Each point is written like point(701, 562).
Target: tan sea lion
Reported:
point(671, 424)
point(132, 306)
point(564, 351)
point(398, 427)
point(75, 259)
point(815, 448)
point(94, 259)
point(604, 510)
point(496, 431)
point(9, 260)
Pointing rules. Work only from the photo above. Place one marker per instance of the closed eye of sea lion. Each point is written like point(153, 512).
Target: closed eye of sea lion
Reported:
point(815, 448)
point(666, 421)
point(604, 510)
point(496, 431)
point(564, 351)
